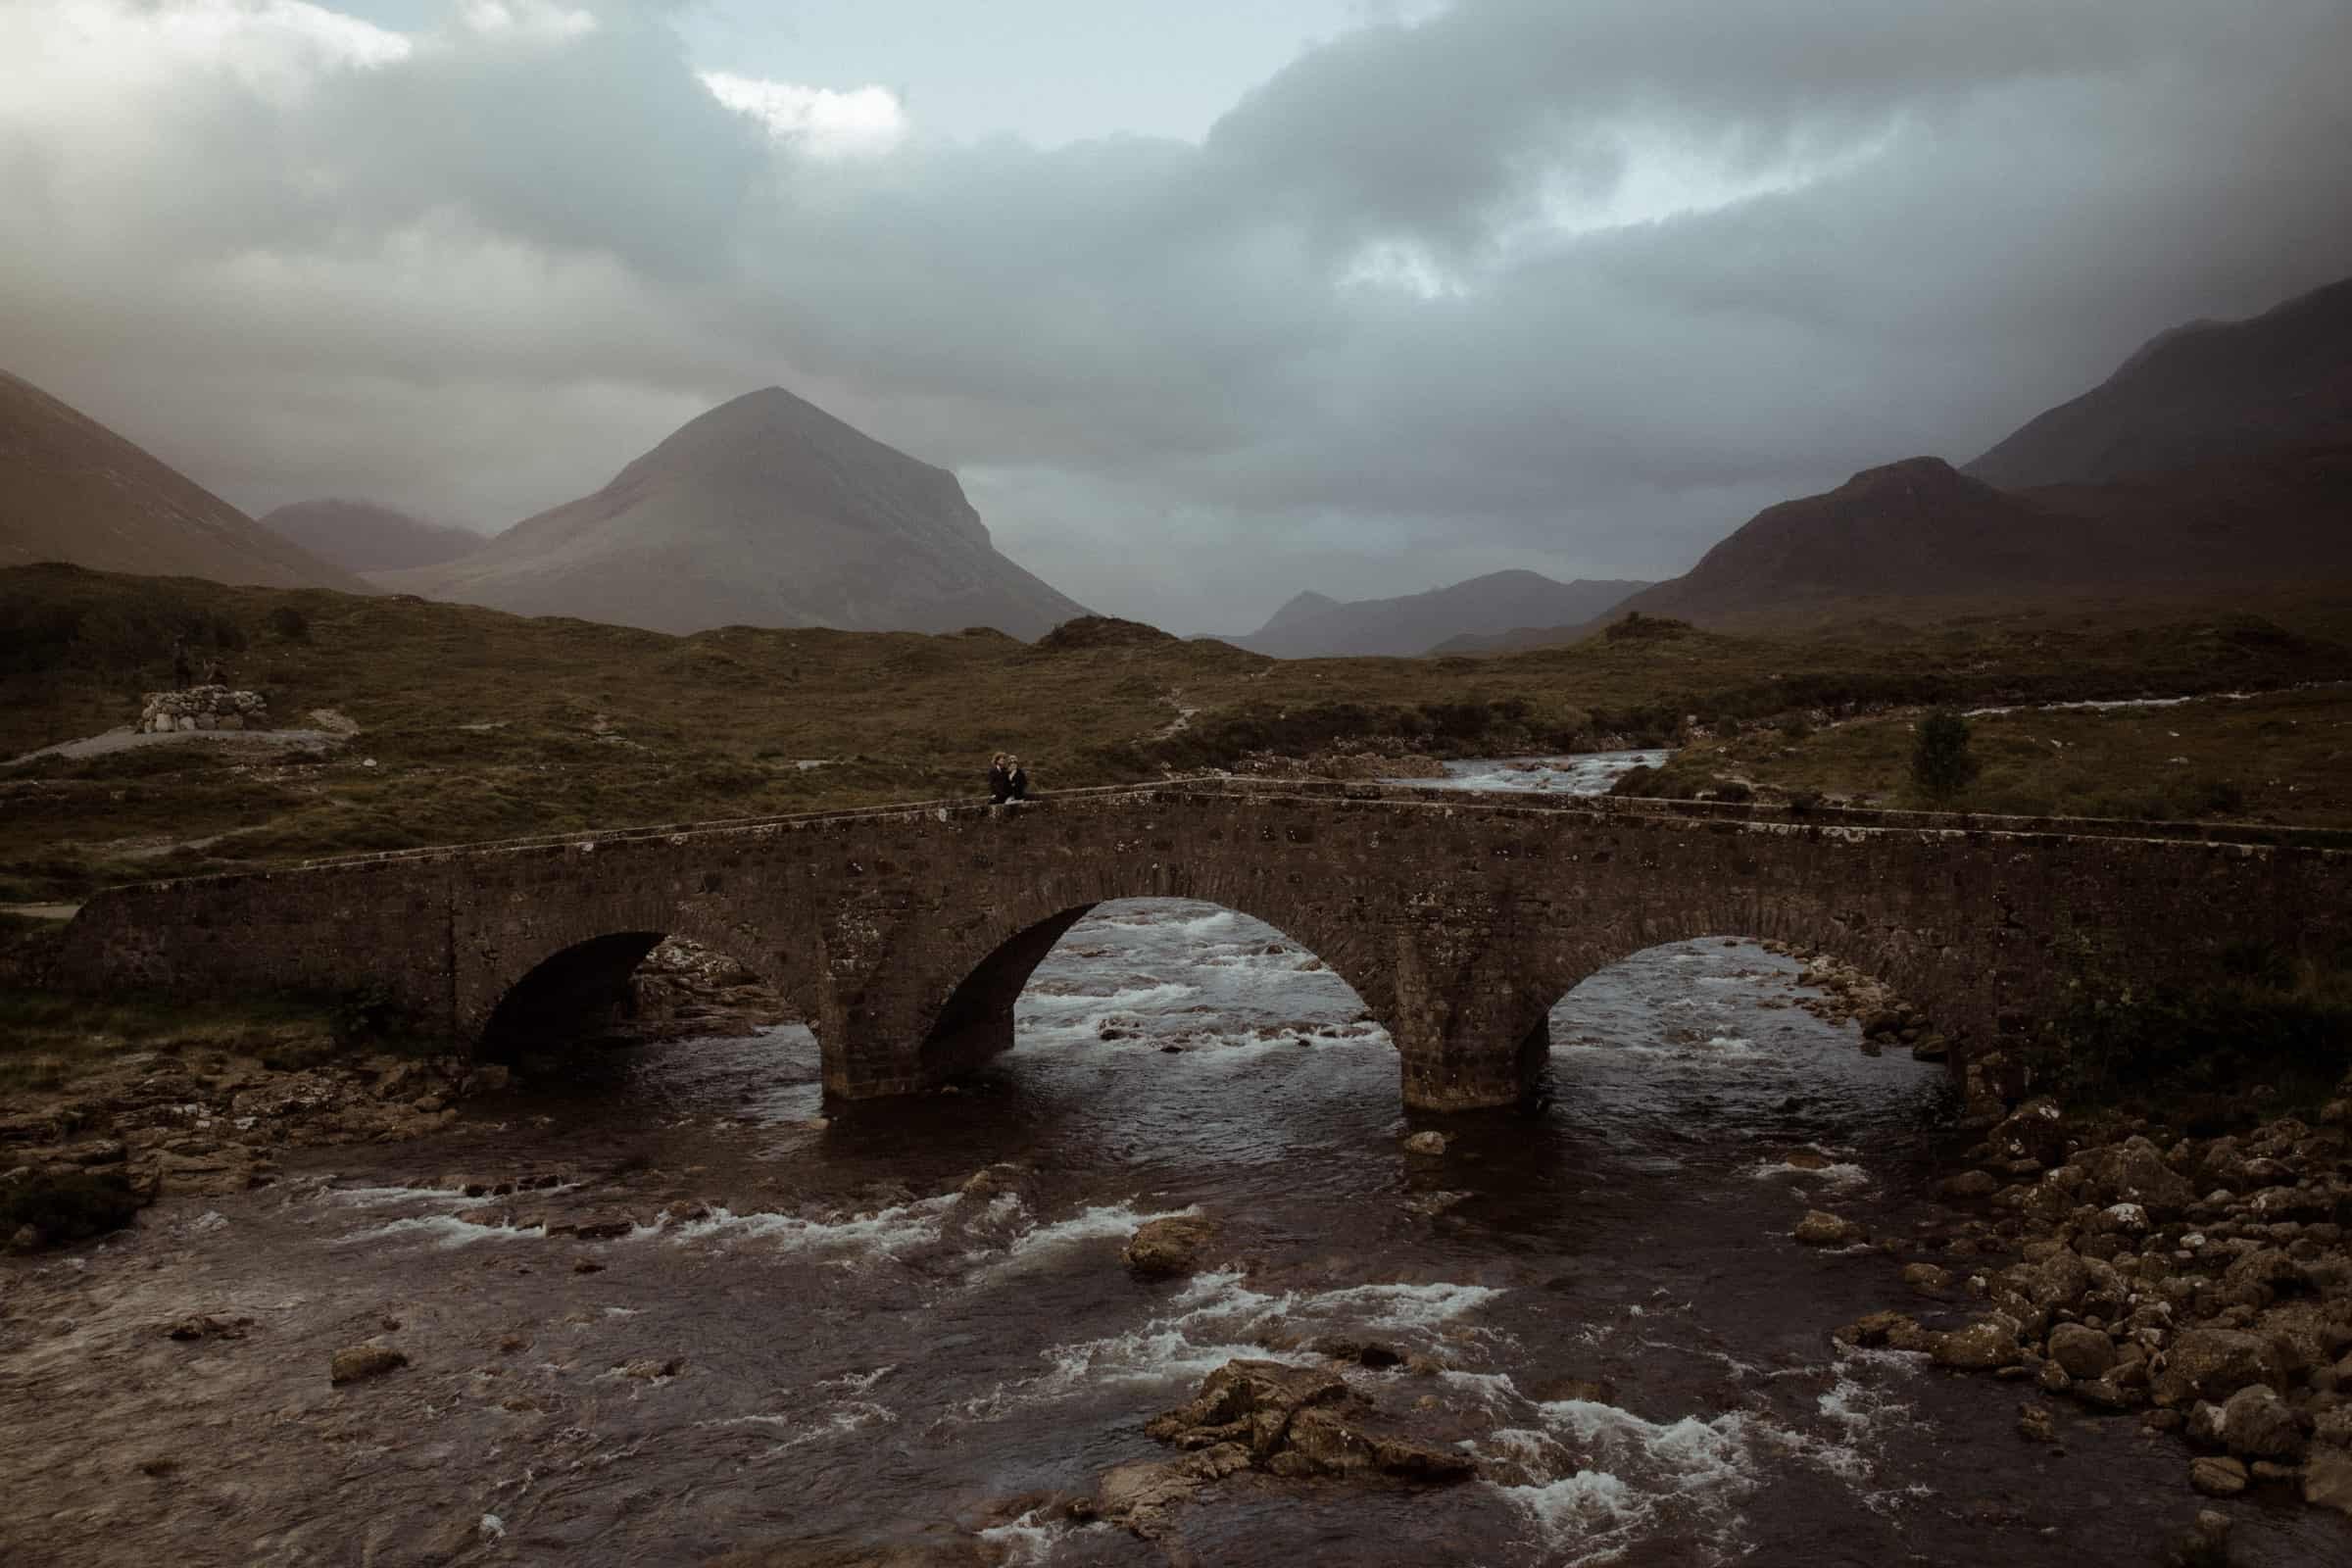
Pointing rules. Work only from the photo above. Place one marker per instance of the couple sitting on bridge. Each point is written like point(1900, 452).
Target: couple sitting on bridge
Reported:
point(1007, 780)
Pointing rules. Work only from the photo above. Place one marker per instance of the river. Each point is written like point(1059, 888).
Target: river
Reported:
point(800, 1332)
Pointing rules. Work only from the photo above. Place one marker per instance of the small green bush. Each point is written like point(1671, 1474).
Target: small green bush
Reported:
point(1942, 765)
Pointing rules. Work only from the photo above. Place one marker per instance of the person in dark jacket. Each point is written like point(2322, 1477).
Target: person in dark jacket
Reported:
point(1016, 781)
point(179, 665)
point(1000, 779)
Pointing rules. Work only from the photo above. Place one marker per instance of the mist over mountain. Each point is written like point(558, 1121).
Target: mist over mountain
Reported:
point(73, 490)
point(768, 511)
point(362, 536)
point(2217, 457)
point(2205, 392)
point(1313, 626)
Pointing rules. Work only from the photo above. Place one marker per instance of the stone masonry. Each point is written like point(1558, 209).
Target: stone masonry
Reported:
point(203, 707)
point(904, 935)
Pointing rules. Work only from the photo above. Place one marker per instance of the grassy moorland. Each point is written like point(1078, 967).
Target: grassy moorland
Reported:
point(476, 724)
point(2282, 758)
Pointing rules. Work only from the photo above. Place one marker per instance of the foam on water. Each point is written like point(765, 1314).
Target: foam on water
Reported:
point(1217, 1318)
point(1098, 1223)
point(886, 1232)
point(447, 1231)
point(1629, 1472)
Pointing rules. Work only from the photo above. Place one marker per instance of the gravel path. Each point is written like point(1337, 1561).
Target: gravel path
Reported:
point(126, 738)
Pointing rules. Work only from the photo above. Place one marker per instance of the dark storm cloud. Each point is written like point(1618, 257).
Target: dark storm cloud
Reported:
point(1526, 284)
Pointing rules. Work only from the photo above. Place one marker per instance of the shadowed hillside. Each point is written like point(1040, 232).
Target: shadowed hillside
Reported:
point(73, 490)
point(2208, 392)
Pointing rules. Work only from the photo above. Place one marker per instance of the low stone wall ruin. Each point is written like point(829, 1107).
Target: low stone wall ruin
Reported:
point(203, 707)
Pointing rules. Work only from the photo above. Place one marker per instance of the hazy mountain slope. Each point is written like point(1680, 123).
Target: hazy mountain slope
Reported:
point(73, 490)
point(1313, 626)
point(2202, 393)
point(766, 511)
point(1919, 532)
point(1917, 526)
point(361, 536)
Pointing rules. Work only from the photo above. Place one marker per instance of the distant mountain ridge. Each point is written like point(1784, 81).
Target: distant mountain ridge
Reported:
point(766, 511)
point(362, 536)
point(73, 490)
point(2217, 457)
point(2206, 392)
point(1313, 626)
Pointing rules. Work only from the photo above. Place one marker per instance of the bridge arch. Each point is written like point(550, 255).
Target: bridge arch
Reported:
point(975, 1023)
point(577, 964)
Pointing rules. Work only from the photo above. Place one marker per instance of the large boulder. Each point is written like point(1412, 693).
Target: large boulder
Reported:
point(1161, 1248)
point(1984, 1344)
point(2133, 1171)
point(1248, 1401)
point(2084, 1352)
point(2035, 1131)
point(1297, 1421)
point(1324, 1441)
point(2327, 1481)
point(2210, 1364)
point(2257, 1424)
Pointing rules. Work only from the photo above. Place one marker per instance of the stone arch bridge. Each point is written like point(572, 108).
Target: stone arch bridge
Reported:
point(904, 934)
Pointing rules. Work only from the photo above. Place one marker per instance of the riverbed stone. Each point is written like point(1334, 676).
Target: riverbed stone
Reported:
point(2327, 1481)
point(2083, 1352)
point(359, 1362)
point(1984, 1344)
point(1161, 1249)
point(2217, 1477)
point(2213, 1363)
point(1820, 1228)
point(2259, 1425)
point(1425, 1144)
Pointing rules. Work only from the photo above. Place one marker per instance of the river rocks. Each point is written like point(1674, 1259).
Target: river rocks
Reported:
point(1250, 1402)
point(1984, 1344)
point(2133, 1172)
point(360, 1362)
point(1968, 1185)
point(1141, 1493)
point(2035, 1131)
point(2035, 1425)
point(205, 1326)
point(2327, 1481)
point(2213, 1363)
point(2083, 1351)
point(1822, 1229)
point(2206, 1544)
point(2259, 1425)
point(1164, 1248)
point(2217, 1477)
point(1928, 1279)
point(1326, 1441)
point(1895, 1330)
point(1430, 1144)
point(1285, 1420)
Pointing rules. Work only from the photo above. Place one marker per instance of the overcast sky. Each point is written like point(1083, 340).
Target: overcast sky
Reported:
point(1205, 302)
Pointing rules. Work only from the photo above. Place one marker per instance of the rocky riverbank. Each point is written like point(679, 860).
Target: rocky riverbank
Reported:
point(82, 1159)
point(2114, 1270)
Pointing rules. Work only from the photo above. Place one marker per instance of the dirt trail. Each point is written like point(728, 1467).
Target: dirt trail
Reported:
point(125, 738)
